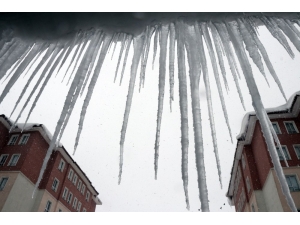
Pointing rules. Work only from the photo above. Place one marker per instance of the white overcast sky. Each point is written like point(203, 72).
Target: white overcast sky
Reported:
point(98, 150)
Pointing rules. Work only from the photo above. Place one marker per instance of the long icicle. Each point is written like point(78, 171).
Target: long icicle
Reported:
point(137, 46)
point(91, 87)
point(260, 113)
point(266, 58)
point(116, 42)
point(155, 44)
point(171, 62)
point(225, 42)
point(161, 90)
point(183, 103)
point(193, 49)
point(128, 43)
point(147, 34)
point(123, 43)
point(76, 83)
point(216, 74)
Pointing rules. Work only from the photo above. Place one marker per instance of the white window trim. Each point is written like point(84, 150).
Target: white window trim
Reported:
point(287, 150)
point(70, 176)
point(297, 145)
point(297, 179)
point(11, 138)
point(21, 139)
point(83, 188)
point(61, 168)
point(11, 158)
point(64, 196)
point(57, 183)
point(79, 184)
point(87, 196)
point(75, 179)
point(70, 200)
point(48, 205)
point(277, 126)
point(79, 206)
point(293, 125)
point(2, 178)
point(74, 203)
point(2, 156)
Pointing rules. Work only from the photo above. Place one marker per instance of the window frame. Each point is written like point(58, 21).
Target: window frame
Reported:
point(11, 160)
point(70, 175)
point(87, 196)
point(83, 188)
point(1, 158)
point(79, 185)
point(10, 142)
point(294, 125)
point(74, 203)
point(287, 151)
point(54, 188)
point(79, 206)
point(84, 209)
point(70, 196)
point(61, 168)
point(297, 145)
point(277, 124)
point(26, 140)
point(74, 181)
point(2, 186)
point(296, 179)
point(48, 206)
point(64, 196)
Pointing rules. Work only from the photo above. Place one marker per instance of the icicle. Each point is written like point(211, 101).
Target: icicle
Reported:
point(48, 53)
point(155, 45)
point(19, 71)
point(274, 30)
point(219, 54)
point(147, 34)
point(137, 46)
point(266, 58)
point(288, 31)
point(75, 40)
point(192, 46)
point(128, 43)
point(123, 42)
point(252, 48)
point(69, 103)
point(116, 42)
point(112, 41)
point(260, 113)
point(6, 47)
point(225, 41)
point(95, 53)
point(171, 62)
point(91, 87)
point(216, 74)
point(208, 92)
point(161, 90)
point(294, 29)
point(146, 54)
point(183, 103)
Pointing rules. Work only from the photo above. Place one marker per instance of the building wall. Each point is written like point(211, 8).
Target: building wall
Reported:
point(258, 201)
point(12, 176)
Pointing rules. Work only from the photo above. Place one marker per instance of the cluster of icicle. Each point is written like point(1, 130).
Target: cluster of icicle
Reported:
point(221, 38)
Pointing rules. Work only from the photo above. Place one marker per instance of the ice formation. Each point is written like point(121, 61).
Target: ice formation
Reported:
point(87, 46)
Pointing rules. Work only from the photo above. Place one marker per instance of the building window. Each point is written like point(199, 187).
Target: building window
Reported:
point(74, 203)
point(75, 179)
point(87, 197)
point(248, 184)
point(24, 139)
point(70, 175)
point(55, 184)
point(79, 185)
point(84, 210)
point(296, 147)
point(276, 127)
point(292, 182)
point(3, 158)
point(48, 206)
point(14, 160)
point(13, 139)
point(79, 206)
point(291, 127)
point(83, 189)
point(3, 182)
point(61, 165)
point(65, 193)
point(70, 198)
point(243, 161)
point(285, 152)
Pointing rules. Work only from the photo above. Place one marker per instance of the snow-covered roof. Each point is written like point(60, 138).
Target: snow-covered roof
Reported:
point(247, 128)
